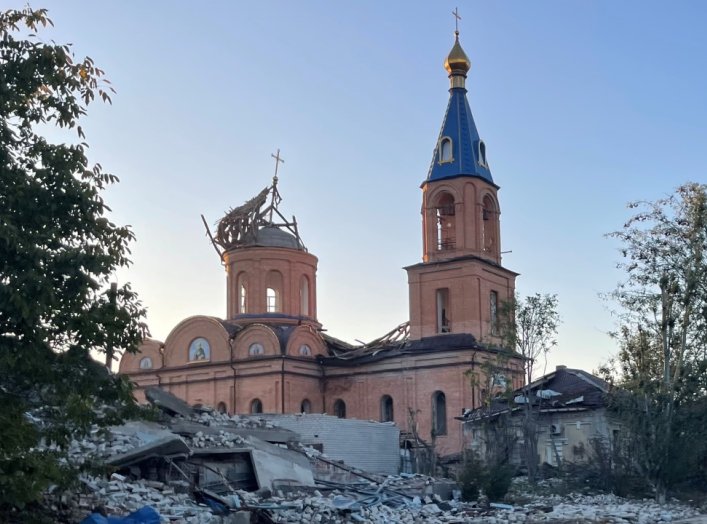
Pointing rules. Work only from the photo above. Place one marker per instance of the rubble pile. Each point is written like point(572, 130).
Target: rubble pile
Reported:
point(607, 508)
point(214, 418)
point(101, 444)
point(222, 439)
point(205, 467)
point(119, 496)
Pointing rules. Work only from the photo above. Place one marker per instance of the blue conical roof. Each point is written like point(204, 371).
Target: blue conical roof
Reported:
point(463, 152)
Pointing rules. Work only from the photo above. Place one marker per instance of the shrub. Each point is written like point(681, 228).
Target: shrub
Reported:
point(494, 481)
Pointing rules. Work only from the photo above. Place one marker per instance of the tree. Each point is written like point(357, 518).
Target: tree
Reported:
point(663, 335)
point(58, 250)
point(530, 327)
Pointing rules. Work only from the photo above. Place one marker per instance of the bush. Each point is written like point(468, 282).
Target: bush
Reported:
point(498, 482)
point(608, 469)
point(471, 477)
point(476, 477)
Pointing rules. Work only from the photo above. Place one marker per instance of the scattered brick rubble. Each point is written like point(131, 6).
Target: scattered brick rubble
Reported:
point(364, 497)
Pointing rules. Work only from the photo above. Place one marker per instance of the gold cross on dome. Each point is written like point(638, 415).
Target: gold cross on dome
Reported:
point(278, 160)
point(457, 18)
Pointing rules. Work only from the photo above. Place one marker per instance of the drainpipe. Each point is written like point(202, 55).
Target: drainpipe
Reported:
point(322, 382)
point(159, 371)
point(282, 385)
point(231, 340)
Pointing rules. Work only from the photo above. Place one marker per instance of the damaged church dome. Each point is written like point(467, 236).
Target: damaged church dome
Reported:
point(272, 236)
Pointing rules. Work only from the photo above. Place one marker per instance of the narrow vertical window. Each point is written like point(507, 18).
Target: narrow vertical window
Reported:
point(306, 406)
point(439, 413)
point(442, 300)
point(340, 408)
point(482, 154)
point(304, 297)
point(221, 408)
point(242, 286)
point(386, 408)
point(445, 150)
point(493, 319)
point(273, 292)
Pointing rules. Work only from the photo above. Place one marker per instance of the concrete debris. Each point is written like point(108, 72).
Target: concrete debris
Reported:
point(122, 497)
point(169, 403)
point(211, 468)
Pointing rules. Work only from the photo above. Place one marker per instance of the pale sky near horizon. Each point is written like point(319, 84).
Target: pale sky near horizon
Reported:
point(583, 106)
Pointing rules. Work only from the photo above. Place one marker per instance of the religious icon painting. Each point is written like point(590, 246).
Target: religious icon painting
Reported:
point(199, 350)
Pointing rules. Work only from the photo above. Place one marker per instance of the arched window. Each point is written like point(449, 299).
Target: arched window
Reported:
point(273, 292)
point(221, 408)
point(340, 408)
point(446, 222)
point(256, 406)
point(439, 413)
point(146, 363)
point(255, 349)
point(305, 350)
point(242, 286)
point(306, 406)
point(445, 150)
point(482, 154)
point(304, 296)
point(386, 408)
point(490, 224)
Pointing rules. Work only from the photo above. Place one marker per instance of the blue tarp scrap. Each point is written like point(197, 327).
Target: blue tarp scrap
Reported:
point(145, 515)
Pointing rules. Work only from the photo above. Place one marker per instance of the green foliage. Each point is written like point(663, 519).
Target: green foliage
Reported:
point(478, 476)
point(58, 250)
point(529, 325)
point(663, 334)
point(609, 468)
point(471, 477)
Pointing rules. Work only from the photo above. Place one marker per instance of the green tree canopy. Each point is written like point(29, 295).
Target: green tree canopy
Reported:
point(58, 250)
point(662, 363)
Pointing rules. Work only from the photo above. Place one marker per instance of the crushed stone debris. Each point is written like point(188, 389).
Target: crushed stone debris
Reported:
point(404, 499)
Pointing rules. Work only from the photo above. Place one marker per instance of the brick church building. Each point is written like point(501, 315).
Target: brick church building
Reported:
point(270, 353)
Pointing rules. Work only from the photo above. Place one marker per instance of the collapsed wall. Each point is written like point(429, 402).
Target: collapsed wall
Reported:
point(364, 444)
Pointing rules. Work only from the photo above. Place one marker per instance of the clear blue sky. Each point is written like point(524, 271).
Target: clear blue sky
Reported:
point(583, 106)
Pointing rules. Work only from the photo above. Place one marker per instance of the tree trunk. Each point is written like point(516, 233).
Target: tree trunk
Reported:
point(530, 446)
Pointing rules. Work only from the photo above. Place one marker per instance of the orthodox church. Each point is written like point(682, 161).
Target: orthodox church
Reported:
point(270, 354)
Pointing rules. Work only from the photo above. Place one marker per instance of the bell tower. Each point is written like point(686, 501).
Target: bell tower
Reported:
point(460, 284)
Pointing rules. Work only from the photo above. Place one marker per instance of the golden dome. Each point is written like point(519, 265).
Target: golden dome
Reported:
point(457, 61)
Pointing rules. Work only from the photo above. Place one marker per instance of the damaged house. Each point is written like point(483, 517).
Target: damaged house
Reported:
point(270, 354)
point(570, 405)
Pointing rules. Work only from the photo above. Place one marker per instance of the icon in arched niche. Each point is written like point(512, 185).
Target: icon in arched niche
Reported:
point(199, 350)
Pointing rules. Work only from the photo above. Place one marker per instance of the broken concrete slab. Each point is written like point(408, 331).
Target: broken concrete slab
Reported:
point(149, 440)
point(168, 403)
point(269, 470)
point(170, 446)
point(259, 465)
